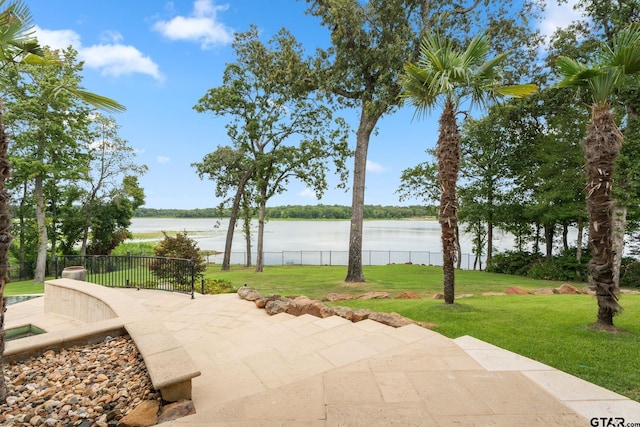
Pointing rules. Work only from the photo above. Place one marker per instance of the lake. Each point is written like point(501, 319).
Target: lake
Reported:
point(326, 240)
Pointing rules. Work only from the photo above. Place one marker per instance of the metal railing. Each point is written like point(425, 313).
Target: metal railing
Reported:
point(341, 258)
point(126, 271)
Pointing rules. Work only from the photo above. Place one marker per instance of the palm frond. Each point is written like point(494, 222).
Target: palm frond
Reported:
point(98, 101)
point(516, 91)
point(626, 50)
point(477, 51)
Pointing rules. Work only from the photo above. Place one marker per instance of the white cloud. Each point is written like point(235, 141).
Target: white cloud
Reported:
point(163, 159)
point(374, 167)
point(111, 58)
point(308, 193)
point(118, 59)
point(201, 26)
point(558, 16)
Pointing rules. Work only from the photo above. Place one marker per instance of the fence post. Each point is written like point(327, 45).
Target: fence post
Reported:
point(193, 278)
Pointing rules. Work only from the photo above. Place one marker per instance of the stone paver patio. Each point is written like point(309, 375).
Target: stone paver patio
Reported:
point(283, 370)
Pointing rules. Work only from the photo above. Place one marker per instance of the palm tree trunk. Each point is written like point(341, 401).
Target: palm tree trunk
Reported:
point(602, 146)
point(5, 241)
point(619, 228)
point(448, 154)
point(354, 269)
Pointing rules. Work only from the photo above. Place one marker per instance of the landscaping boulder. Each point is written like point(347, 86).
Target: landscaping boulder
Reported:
point(567, 289)
point(145, 414)
point(514, 290)
point(337, 297)
point(176, 410)
point(391, 319)
point(438, 296)
point(248, 293)
point(374, 295)
point(344, 312)
point(464, 296)
point(408, 295)
point(492, 294)
point(262, 302)
point(361, 314)
point(277, 306)
point(304, 305)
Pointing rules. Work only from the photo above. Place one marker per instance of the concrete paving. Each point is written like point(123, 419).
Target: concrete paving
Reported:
point(289, 371)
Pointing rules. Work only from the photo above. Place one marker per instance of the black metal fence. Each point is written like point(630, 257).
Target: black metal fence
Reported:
point(126, 271)
point(342, 258)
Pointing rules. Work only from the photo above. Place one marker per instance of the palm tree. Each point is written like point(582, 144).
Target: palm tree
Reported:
point(444, 75)
point(614, 68)
point(19, 46)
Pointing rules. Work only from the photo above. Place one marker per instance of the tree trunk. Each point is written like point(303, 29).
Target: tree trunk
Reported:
point(226, 258)
point(5, 241)
point(246, 226)
point(489, 228)
point(565, 236)
point(619, 228)
point(260, 246)
point(458, 249)
point(354, 269)
point(41, 260)
point(448, 153)
point(602, 146)
point(548, 240)
point(579, 240)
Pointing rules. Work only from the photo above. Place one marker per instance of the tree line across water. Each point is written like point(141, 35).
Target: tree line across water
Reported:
point(319, 211)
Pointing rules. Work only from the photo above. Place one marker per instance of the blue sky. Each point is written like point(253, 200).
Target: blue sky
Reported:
point(159, 57)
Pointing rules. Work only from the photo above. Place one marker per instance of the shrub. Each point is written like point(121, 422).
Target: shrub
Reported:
point(181, 246)
point(630, 275)
point(218, 286)
point(512, 262)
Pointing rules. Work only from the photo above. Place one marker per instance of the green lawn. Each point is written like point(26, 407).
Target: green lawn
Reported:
point(552, 329)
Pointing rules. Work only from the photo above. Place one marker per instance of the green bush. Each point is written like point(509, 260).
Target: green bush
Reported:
point(218, 286)
point(512, 262)
point(630, 275)
point(564, 266)
point(181, 246)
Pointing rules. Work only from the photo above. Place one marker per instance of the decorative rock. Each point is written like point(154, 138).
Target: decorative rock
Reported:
point(262, 302)
point(514, 290)
point(277, 306)
point(374, 295)
point(492, 294)
point(391, 319)
point(248, 293)
point(438, 296)
point(464, 296)
point(361, 314)
point(337, 297)
point(344, 312)
point(176, 410)
point(35, 398)
point(567, 289)
point(304, 305)
point(408, 295)
point(145, 414)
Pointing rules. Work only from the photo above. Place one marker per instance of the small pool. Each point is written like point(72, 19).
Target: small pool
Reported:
point(14, 299)
point(22, 332)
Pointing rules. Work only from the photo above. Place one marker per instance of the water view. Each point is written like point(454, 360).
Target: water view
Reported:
point(322, 237)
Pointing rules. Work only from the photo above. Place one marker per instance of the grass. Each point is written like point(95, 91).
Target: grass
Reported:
point(552, 329)
point(26, 287)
